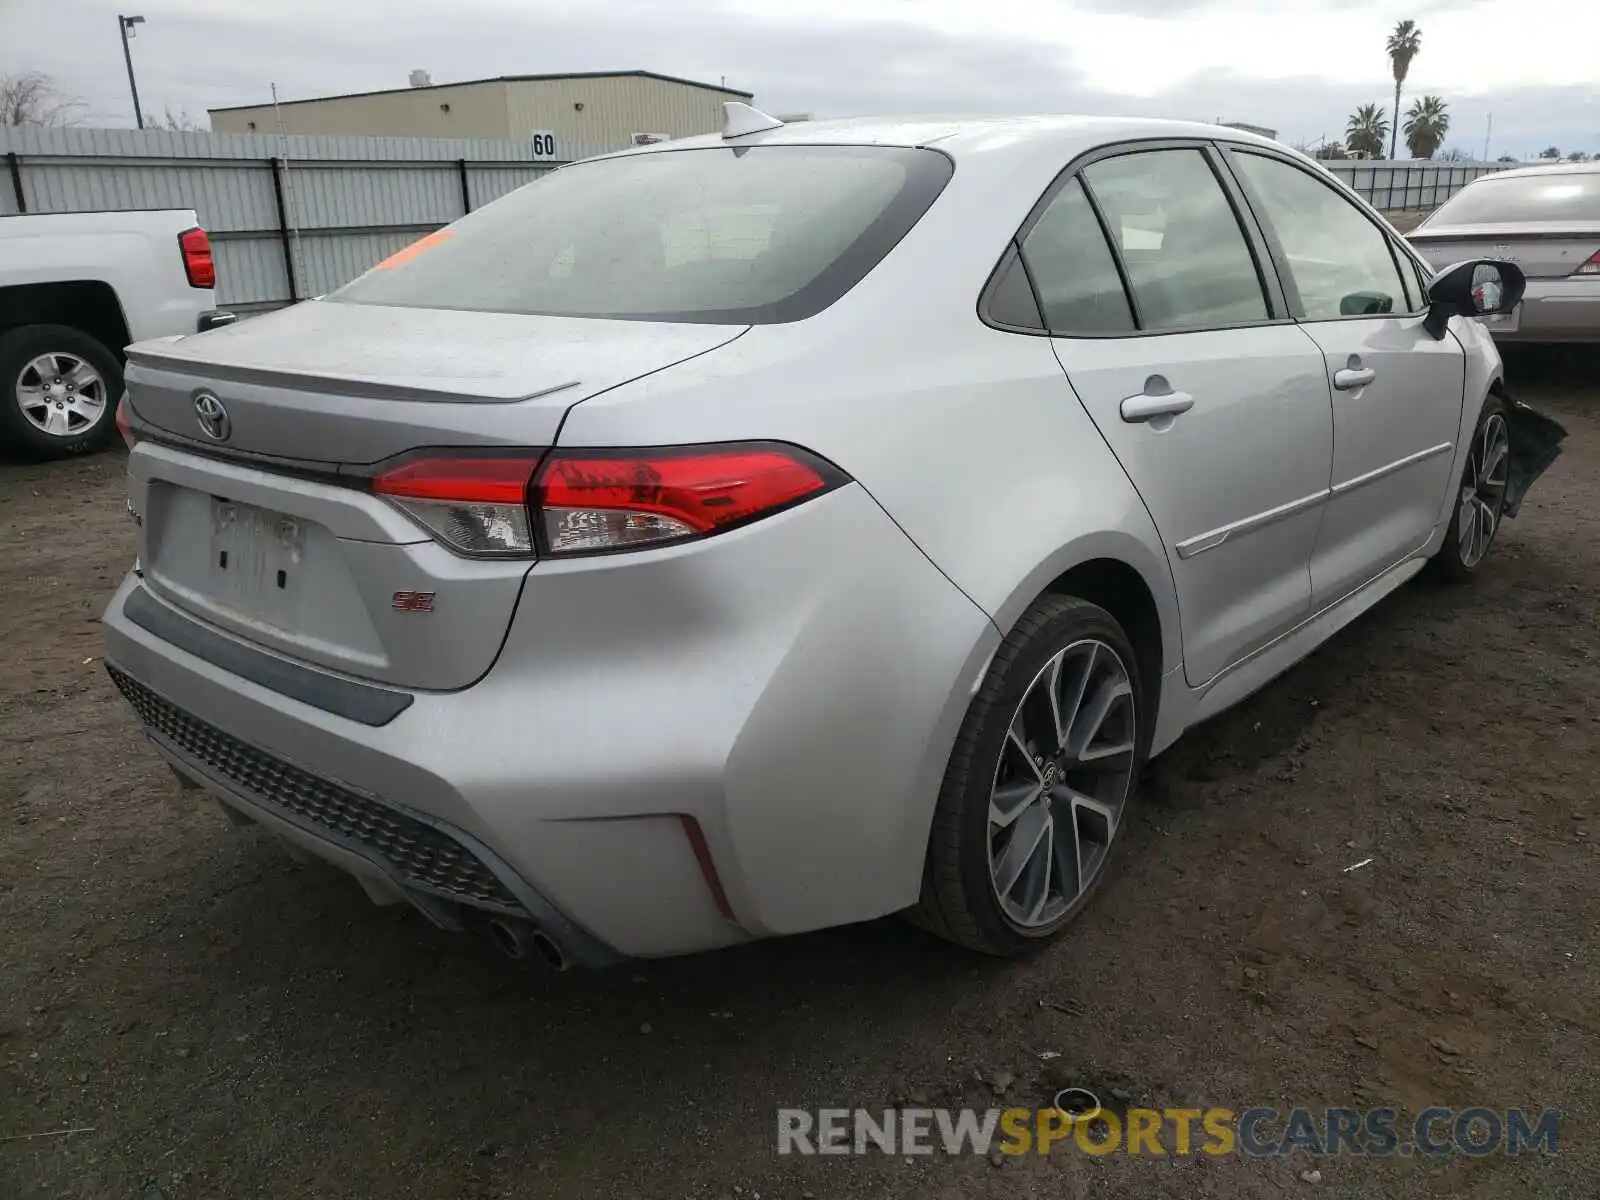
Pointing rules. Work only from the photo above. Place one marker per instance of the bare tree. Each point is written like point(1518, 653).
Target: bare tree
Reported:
point(181, 121)
point(34, 98)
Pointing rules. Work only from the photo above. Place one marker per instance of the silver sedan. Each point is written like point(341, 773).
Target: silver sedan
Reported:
point(1546, 220)
point(756, 533)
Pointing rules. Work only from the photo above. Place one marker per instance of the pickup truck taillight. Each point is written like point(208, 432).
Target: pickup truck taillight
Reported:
point(197, 261)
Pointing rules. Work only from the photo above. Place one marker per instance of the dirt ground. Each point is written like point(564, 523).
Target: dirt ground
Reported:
point(223, 1023)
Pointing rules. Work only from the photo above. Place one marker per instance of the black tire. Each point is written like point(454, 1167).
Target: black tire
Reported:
point(959, 900)
point(1452, 563)
point(19, 348)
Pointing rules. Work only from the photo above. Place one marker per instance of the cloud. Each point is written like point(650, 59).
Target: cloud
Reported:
point(1182, 58)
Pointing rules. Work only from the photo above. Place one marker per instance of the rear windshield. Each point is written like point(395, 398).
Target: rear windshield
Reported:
point(1559, 196)
point(721, 235)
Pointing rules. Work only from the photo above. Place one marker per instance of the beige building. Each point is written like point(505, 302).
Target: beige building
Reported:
point(564, 116)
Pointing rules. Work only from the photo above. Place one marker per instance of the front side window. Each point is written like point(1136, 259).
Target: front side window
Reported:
point(1185, 253)
point(1339, 259)
point(720, 235)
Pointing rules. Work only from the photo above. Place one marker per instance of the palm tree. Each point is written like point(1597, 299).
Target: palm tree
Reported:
point(1368, 127)
point(1404, 44)
point(1427, 121)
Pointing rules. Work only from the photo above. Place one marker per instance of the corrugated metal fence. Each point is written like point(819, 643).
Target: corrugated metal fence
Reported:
point(289, 217)
point(1407, 186)
point(297, 216)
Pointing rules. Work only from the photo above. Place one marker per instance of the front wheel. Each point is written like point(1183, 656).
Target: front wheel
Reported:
point(1036, 797)
point(59, 389)
point(1480, 498)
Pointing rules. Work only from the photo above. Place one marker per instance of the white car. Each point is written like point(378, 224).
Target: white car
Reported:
point(755, 533)
point(75, 289)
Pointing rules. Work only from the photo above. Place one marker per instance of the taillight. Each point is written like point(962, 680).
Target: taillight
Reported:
point(198, 264)
point(590, 501)
point(597, 501)
point(1591, 267)
point(477, 506)
point(125, 422)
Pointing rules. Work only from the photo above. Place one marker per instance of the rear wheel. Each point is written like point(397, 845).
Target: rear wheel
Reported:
point(1036, 797)
point(59, 389)
point(1480, 498)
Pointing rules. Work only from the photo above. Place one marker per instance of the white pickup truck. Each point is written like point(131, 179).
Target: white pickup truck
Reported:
point(75, 288)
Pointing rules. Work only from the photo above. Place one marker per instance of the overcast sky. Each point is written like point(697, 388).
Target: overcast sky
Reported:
point(1299, 66)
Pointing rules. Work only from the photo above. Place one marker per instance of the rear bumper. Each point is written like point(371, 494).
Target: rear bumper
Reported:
point(1557, 310)
point(676, 750)
point(398, 853)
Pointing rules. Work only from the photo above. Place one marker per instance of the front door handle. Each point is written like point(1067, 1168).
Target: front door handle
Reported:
point(1147, 407)
point(1350, 378)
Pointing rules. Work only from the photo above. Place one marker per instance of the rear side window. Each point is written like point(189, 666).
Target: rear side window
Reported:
point(720, 235)
point(1073, 270)
point(1183, 248)
point(1558, 196)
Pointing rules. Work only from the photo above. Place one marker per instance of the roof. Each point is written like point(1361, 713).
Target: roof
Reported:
point(1566, 168)
point(710, 87)
point(967, 135)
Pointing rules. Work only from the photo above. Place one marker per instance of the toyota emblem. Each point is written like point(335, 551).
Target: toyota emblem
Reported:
point(213, 418)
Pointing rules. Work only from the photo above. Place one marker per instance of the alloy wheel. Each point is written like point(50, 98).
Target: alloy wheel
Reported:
point(1062, 783)
point(1483, 490)
point(60, 394)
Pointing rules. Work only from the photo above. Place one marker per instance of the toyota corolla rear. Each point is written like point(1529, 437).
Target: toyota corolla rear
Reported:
point(590, 695)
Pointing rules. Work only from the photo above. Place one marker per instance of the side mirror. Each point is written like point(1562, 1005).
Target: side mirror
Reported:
point(1479, 287)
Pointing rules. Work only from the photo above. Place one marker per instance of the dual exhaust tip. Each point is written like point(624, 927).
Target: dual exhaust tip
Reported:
point(521, 940)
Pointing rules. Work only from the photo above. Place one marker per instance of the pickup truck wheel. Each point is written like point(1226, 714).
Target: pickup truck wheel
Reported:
point(59, 390)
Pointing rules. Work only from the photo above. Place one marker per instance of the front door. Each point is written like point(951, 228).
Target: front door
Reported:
point(1216, 407)
point(1397, 392)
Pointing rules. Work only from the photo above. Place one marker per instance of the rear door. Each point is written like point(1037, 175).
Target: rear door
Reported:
point(1397, 392)
point(1216, 405)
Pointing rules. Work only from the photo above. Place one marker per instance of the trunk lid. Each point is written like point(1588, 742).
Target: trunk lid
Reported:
point(326, 381)
point(1543, 249)
point(261, 534)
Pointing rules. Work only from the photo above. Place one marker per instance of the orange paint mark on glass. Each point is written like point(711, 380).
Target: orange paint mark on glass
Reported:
point(420, 246)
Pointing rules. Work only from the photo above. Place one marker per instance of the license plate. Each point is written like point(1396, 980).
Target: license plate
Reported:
point(257, 556)
point(1502, 322)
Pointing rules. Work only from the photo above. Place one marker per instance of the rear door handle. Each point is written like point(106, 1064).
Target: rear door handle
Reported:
point(1145, 407)
point(1350, 378)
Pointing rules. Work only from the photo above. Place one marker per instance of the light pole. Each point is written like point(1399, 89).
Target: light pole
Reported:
point(126, 25)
